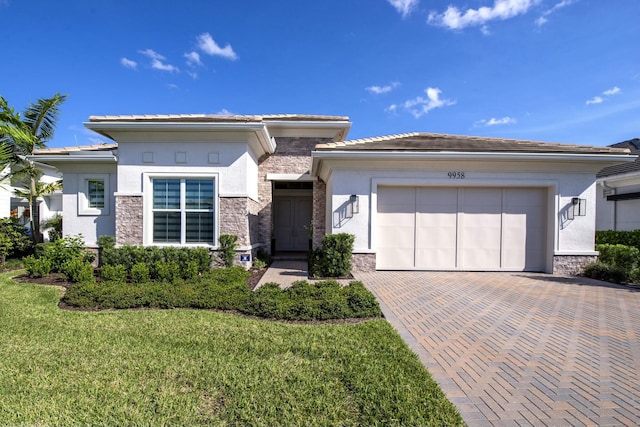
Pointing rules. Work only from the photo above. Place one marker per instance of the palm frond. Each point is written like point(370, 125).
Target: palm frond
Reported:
point(42, 116)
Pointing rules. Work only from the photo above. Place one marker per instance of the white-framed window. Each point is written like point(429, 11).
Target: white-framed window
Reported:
point(93, 194)
point(182, 210)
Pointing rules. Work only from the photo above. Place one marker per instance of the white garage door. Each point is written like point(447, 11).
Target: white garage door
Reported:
point(443, 228)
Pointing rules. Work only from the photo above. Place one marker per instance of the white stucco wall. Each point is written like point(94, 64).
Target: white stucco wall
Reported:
point(565, 236)
point(236, 167)
point(73, 222)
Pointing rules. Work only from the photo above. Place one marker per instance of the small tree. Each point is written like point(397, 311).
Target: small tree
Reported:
point(228, 244)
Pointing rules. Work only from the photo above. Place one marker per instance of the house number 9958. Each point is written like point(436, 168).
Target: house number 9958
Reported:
point(455, 175)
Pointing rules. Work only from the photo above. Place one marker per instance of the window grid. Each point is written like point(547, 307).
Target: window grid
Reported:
point(183, 210)
point(95, 193)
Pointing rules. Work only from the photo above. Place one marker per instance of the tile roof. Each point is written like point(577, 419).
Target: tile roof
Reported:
point(442, 142)
point(634, 146)
point(214, 118)
point(67, 150)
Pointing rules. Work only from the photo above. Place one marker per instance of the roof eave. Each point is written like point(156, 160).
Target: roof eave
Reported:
point(334, 129)
point(608, 159)
point(266, 142)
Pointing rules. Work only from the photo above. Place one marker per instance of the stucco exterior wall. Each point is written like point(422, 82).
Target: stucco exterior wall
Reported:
point(232, 161)
point(90, 226)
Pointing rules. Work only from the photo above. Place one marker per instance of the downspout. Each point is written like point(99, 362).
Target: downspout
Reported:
point(615, 204)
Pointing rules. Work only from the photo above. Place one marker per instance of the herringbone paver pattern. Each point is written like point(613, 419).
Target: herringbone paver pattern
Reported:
point(521, 348)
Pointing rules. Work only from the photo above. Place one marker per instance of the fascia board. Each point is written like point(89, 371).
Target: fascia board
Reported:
point(454, 155)
point(75, 159)
point(266, 142)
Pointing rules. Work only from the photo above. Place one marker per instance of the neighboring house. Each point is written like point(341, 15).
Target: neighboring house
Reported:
point(18, 207)
point(413, 201)
point(618, 194)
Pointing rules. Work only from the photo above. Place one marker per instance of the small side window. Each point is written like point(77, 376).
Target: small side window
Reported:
point(93, 194)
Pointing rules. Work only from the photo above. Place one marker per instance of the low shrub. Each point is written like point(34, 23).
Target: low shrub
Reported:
point(621, 256)
point(130, 255)
point(333, 259)
point(115, 273)
point(206, 292)
point(319, 301)
point(14, 240)
point(63, 250)
point(226, 289)
point(77, 270)
point(37, 267)
point(605, 272)
point(140, 273)
point(167, 271)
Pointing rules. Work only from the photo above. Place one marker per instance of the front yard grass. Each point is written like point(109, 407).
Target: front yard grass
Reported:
point(196, 367)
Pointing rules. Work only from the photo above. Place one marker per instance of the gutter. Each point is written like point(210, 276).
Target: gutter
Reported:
point(84, 158)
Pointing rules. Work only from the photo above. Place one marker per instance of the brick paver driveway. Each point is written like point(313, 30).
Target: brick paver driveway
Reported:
point(521, 348)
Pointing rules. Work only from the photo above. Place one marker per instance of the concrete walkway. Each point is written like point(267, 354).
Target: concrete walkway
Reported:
point(513, 349)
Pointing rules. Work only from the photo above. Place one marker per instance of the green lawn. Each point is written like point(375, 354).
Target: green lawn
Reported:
point(190, 367)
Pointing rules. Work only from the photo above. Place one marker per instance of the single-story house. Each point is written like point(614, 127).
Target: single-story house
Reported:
point(618, 193)
point(414, 201)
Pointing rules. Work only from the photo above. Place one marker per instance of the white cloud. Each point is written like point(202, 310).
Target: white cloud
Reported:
point(485, 30)
point(495, 122)
point(404, 7)
point(543, 18)
point(614, 90)
point(210, 47)
point(225, 112)
point(172, 86)
point(193, 59)
point(393, 109)
point(454, 19)
point(599, 99)
point(420, 106)
point(128, 63)
point(595, 100)
point(157, 61)
point(379, 90)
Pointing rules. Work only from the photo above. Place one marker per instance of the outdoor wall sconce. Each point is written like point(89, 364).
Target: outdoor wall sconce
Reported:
point(579, 207)
point(355, 203)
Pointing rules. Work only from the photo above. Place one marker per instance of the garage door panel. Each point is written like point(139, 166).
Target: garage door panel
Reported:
point(480, 243)
point(436, 228)
point(396, 200)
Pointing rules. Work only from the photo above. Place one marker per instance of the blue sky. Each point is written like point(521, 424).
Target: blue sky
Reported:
point(548, 70)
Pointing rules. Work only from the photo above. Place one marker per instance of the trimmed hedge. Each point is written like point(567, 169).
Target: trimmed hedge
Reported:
point(628, 238)
point(226, 289)
point(163, 262)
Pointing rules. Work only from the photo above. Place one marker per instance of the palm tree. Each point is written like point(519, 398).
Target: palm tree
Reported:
point(20, 136)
